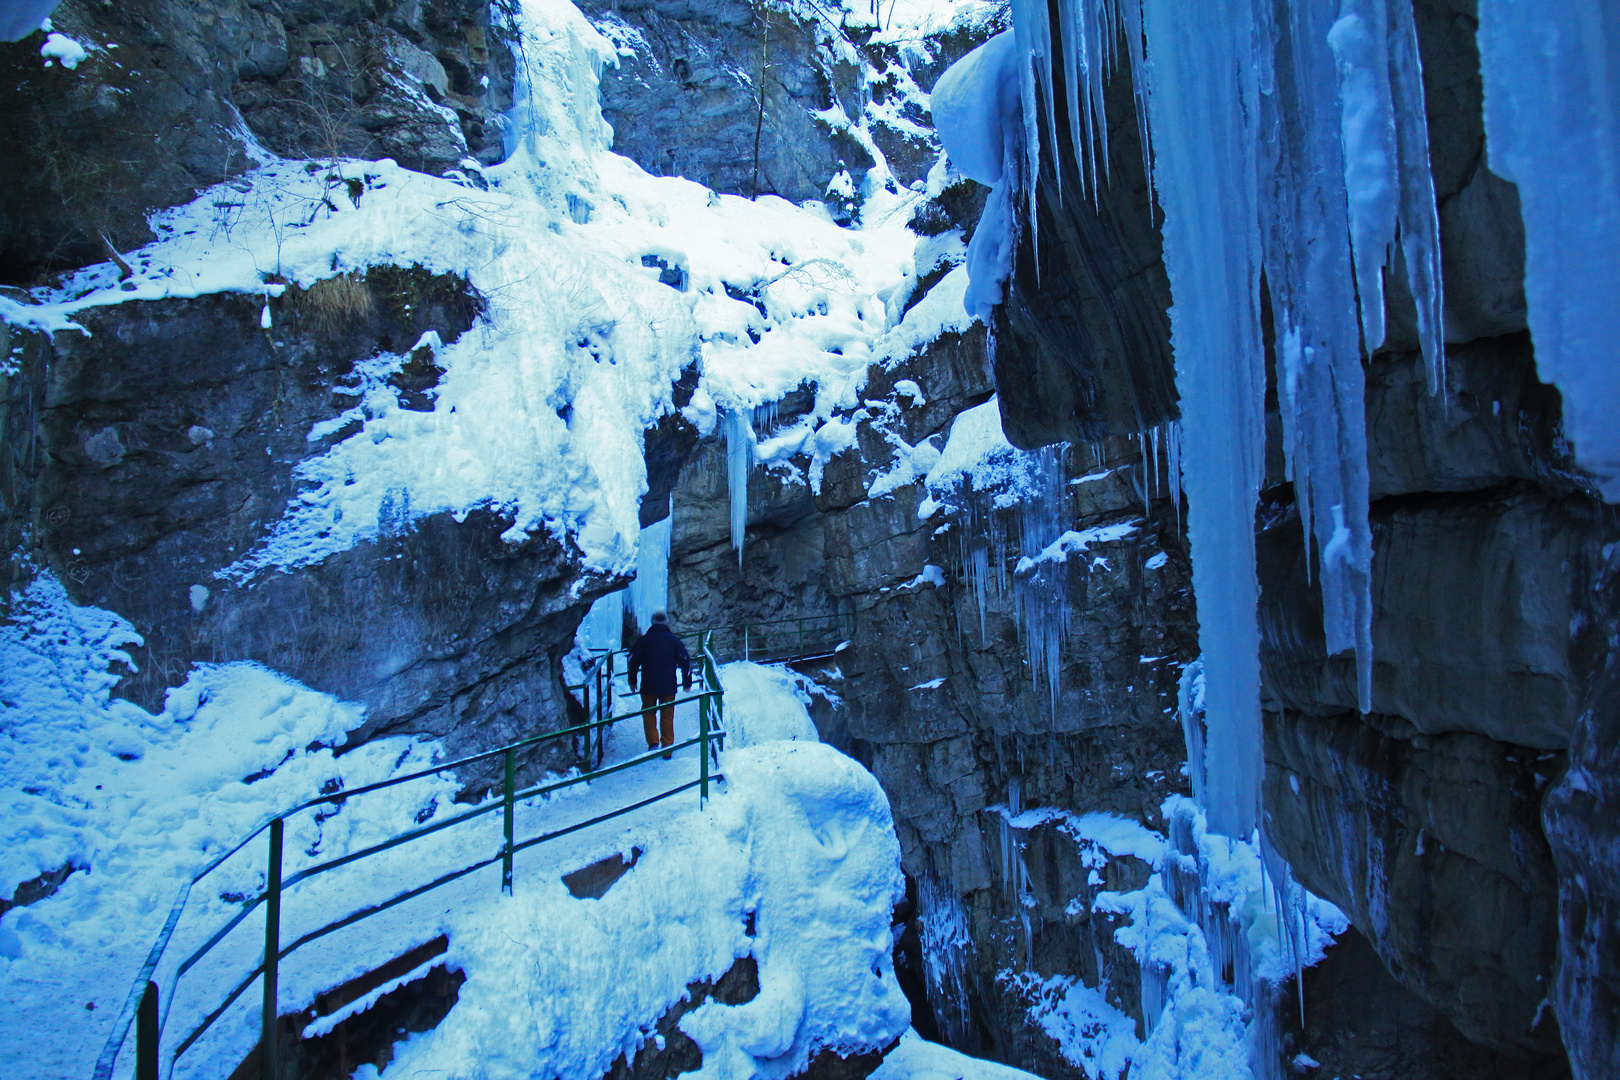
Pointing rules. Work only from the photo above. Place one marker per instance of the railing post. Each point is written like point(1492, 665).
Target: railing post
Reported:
point(703, 750)
point(745, 643)
point(272, 955)
point(146, 1034)
point(603, 690)
point(510, 789)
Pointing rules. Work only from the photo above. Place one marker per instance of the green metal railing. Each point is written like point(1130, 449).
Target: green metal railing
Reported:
point(783, 639)
point(142, 1008)
point(805, 637)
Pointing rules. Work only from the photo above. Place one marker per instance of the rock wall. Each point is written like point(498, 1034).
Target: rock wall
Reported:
point(759, 99)
point(176, 96)
point(684, 99)
point(1084, 335)
point(1423, 820)
point(945, 710)
point(160, 446)
point(163, 446)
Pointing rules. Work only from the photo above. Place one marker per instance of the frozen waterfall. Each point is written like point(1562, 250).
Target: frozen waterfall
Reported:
point(1288, 146)
point(1552, 126)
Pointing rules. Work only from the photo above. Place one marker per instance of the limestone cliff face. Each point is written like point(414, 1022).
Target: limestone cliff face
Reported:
point(935, 692)
point(684, 99)
point(1083, 339)
point(178, 93)
point(755, 99)
point(160, 448)
point(143, 456)
point(1487, 629)
point(1428, 821)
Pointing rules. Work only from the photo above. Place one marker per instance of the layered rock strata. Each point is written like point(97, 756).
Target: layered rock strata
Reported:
point(935, 693)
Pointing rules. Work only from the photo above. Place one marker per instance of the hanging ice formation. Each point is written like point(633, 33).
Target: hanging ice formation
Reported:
point(1286, 140)
point(649, 592)
point(947, 946)
point(603, 627)
point(983, 476)
point(976, 111)
point(739, 460)
point(1552, 126)
point(1043, 602)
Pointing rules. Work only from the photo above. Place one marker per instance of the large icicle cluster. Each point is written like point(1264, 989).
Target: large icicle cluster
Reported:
point(1289, 146)
point(1552, 125)
point(649, 591)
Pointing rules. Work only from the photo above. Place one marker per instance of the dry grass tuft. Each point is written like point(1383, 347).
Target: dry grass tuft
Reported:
point(340, 301)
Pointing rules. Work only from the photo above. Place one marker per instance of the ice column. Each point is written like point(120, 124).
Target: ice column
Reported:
point(604, 623)
point(1190, 710)
point(1203, 102)
point(1552, 126)
point(1321, 146)
point(649, 592)
point(1043, 604)
point(739, 460)
point(947, 946)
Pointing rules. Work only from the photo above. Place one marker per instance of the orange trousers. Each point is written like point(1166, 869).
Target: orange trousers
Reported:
point(655, 712)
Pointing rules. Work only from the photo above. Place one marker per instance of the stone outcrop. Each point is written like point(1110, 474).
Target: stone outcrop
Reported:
point(1583, 828)
point(1360, 1022)
point(684, 98)
point(1433, 843)
point(174, 95)
point(946, 712)
point(1083, 339)
point(165, 446)
point(757, 99)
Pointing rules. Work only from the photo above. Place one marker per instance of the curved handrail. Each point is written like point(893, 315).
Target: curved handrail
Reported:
point(710, 738)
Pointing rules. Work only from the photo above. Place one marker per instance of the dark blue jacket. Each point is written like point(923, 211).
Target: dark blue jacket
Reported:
point(658, 654)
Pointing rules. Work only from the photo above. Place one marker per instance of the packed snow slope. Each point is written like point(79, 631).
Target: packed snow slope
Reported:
point(793, 862)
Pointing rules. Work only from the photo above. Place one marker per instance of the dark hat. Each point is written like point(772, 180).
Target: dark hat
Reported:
point(659, 617)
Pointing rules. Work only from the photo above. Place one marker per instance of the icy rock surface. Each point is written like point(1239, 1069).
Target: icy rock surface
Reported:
point(1318, 131)
point(1552, 120)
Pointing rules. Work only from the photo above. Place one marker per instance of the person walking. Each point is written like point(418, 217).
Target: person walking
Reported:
point(656, 657)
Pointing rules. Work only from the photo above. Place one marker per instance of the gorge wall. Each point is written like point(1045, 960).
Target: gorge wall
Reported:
point(1464, 824)
point(1427, 821)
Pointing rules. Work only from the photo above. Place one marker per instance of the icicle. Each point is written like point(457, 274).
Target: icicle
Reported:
point(1419, 214)
point(1173, 468)
point(649, 591)
point(1043, 607)
point(1203, 105)
point(1332, 218)
point(1360, 41)
point(946, 945)
point(1156, 434)
point(603, 626)
point(1033, 33)
point(739, 461)
point(1552, 126)
point(1190, 709)
point(765, 418)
